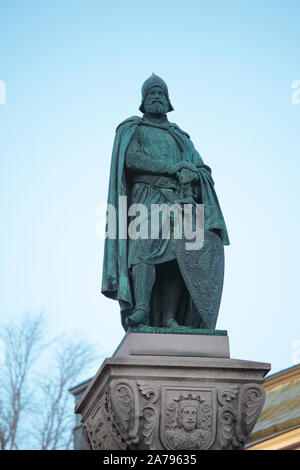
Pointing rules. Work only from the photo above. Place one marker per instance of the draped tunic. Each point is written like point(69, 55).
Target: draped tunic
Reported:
point(152, 150)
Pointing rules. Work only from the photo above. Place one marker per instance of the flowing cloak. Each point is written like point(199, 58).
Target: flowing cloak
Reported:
point(116, 282)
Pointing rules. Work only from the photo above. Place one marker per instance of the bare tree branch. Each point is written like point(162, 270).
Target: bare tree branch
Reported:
point(40, 394)
point(71, 358)
point(23, 342)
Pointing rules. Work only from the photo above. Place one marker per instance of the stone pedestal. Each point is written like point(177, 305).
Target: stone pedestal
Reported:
point(172, 392)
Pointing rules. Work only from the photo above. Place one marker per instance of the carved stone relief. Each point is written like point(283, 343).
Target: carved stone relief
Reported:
point(147, 415)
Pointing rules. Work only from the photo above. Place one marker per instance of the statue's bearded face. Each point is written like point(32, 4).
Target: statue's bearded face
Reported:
point(156, 101)
point(189, 418)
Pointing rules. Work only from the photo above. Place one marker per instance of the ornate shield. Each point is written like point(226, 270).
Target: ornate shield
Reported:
point(203, 274)
point(188, 418)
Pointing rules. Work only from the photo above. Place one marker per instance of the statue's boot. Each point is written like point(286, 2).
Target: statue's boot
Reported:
point(143, 277)
point(140, 316)
point(172, 323)
point(171, 283)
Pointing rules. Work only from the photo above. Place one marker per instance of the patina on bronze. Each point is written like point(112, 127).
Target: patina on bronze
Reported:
point(157, 282)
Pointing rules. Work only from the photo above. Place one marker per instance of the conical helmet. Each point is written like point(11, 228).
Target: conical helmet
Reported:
point(152, 81)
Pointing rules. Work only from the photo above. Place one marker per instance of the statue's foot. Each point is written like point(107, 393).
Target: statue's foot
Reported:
point(171, 323)
point(139, 317)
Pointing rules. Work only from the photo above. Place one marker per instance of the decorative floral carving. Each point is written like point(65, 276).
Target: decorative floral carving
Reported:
point(240, 409)
point(151, 392)
point(227, 398)
point(150, 413)
point(252, 398)
point(123, 406)
point(116, 437)
point(139, 415)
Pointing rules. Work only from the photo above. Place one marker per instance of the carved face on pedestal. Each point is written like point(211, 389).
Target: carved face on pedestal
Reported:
point(189, 418)
point(156, 101)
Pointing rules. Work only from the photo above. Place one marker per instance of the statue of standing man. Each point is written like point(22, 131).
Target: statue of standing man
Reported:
point(157, 281)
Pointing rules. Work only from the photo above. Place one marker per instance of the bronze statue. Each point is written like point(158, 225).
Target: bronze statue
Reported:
point(157, 281)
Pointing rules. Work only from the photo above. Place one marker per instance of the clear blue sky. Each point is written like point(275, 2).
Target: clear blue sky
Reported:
point(73, 70)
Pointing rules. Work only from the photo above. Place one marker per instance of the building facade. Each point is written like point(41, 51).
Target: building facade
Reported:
point(278, 427)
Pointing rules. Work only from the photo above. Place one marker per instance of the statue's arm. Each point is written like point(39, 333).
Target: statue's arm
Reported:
point(197, 170)
point(139, 162)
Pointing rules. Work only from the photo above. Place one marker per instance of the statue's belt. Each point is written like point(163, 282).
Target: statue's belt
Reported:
point(167, 182)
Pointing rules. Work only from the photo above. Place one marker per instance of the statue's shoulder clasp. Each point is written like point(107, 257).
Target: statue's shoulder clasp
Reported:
point(129, 122)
